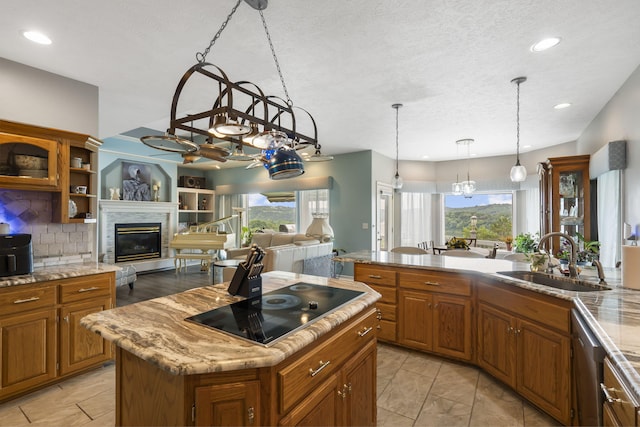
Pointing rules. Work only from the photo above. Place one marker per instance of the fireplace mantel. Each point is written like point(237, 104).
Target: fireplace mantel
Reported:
point(124, 211)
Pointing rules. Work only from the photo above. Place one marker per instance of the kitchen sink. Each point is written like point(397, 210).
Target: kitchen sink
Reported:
point(558, 282)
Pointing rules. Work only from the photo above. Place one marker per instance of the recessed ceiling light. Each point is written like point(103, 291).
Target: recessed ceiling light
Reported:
point(526, 146)
point(545, 44)
point(562, 105)
point(425, 156)
point(36, 37)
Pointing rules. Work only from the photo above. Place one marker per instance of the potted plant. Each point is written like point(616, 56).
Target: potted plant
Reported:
point(538, 260)
point(246, 235)
point(526, 242)
point(590, 250)
point(508, 241)
point(455, 243)
point(563, 256)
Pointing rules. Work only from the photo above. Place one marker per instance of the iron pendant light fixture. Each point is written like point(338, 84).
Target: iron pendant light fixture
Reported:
point(518, 172)
point(397, 180)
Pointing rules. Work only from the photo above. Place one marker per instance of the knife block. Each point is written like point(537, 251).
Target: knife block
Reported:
point(243, 285)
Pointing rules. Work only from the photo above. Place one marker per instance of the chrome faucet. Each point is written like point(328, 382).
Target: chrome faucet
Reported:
point(598, 265)
point(573, 271)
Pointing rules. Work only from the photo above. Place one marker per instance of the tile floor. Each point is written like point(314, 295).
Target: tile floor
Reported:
point(414, 389)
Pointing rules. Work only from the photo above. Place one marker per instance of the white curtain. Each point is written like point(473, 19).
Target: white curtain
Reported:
point(415, 218)
point(609, 217)
point(311, 202)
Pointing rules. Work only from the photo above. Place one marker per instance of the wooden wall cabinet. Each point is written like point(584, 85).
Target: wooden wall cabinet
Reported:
point(524, 341)
point(565, 197)
point(435, 313)
point(58, 147)
point(42, 339)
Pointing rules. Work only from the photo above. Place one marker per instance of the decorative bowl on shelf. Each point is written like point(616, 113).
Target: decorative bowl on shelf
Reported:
point(73, 209)
point(24, 161)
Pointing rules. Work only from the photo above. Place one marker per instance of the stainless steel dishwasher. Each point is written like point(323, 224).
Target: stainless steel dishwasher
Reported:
point(588, 357)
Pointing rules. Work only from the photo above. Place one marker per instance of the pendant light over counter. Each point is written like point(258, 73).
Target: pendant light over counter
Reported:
point(518, 172)
point(397, 180)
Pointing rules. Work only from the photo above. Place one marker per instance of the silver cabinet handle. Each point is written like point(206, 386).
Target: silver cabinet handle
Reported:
point(365, 331)
point(251, 414)
point(93, 288)
point(374, 276)
point(432, 283)
point(323, 365)
point(22, 301)
point(607, 395)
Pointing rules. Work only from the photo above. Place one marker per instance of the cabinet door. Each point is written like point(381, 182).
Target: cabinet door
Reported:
point(416, 329)
point(359, 388)
point(544, 369)
point(452, 326)
point(323, 407)
point(236, 404)
point(79, 347)
point(496, 347)
point(27, 350)
point(28, 163)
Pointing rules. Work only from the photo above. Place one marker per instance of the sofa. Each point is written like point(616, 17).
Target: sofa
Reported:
point(284, 251)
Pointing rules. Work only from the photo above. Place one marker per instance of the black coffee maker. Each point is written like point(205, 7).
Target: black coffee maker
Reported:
point(16, 254)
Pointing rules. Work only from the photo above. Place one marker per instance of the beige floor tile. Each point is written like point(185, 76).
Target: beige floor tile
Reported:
point(406, 393)
point(12, 416)
point(83, 387)
point(99, 405)
point(105, 420)
point(480, 418)
point(67, 415)
point(388, 418)
point(438, 411)
point(382, 384)
point(456, 383)
point(533, 417)
point(390, 359)
point(423, 364)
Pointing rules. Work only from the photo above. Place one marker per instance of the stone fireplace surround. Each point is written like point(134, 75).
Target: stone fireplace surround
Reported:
point(128, 211)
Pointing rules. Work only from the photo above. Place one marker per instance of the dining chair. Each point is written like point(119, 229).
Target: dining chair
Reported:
point(414, 250)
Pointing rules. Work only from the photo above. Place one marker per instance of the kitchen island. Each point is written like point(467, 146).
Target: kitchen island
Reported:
point(518, 331)
point(170, 371)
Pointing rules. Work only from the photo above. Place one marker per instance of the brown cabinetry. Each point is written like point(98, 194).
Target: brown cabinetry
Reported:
point(33, 158)
point(435, 313)
point(523, 340)
point(620, 407)
point(565, 199)
point(383, 281)
point(330, 383)
point(42, 340)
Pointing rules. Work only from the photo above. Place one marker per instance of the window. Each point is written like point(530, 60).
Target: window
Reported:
point(415, 214)
point(493, 214)
point(271, 210)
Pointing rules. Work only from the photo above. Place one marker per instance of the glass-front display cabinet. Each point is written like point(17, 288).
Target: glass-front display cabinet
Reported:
point(28, 162)
point(565, 199)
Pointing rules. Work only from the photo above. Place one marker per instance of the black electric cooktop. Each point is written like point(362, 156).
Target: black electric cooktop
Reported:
point(275, 314)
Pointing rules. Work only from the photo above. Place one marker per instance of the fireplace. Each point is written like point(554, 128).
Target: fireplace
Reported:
point(138, 241)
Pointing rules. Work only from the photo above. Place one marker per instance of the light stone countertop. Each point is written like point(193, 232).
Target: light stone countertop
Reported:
point(613, 315)
point(155, 330)
point(57, 272)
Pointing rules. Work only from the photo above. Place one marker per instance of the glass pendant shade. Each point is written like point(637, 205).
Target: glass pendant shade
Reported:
point(397, 182)
point(518, 173)
point(456, 188)
point(468, 188)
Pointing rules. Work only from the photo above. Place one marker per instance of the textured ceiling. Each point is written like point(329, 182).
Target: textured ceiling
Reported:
point(449, 62)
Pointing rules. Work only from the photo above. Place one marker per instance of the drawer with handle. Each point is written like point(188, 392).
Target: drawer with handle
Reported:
point(447, 283)
point(81, 288)
point(376, 276)
point(296, 379)
point(617, 397)
point(26, 297)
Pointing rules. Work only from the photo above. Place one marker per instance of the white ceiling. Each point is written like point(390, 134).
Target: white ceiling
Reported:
point(449, 62)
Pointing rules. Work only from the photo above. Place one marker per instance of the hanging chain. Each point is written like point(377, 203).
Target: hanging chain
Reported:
point(200, 57)
point(397, 108)
point(275, 58)
point(518, 124)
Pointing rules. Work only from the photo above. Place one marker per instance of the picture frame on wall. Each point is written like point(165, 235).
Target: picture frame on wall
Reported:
point(136, 182)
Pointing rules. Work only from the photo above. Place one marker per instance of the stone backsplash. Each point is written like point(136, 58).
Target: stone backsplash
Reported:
point(30, 212)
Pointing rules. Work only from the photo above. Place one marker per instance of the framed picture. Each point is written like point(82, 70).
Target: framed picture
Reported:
point(136, 181)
